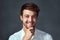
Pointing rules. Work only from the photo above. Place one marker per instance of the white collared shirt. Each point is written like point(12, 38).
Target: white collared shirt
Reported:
point(39, 35)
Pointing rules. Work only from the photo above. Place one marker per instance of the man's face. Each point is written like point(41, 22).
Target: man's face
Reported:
point(29, 18)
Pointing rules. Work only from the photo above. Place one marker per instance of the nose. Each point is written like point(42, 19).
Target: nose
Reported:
point(30, 19)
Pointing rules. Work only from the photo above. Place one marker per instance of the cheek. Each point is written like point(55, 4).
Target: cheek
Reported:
point(35, 20)
point(24, 20)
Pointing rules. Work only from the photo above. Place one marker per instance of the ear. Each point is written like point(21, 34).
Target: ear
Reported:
point(21, 17)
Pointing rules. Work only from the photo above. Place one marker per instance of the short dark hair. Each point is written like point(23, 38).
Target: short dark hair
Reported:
point(30, 6)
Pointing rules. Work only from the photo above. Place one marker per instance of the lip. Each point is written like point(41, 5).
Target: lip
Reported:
point(30, 24)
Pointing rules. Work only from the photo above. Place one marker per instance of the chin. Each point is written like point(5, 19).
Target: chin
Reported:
point(30, 26)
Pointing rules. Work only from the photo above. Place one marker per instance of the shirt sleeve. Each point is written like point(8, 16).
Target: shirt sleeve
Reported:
point(48, 37)
point(12, 37)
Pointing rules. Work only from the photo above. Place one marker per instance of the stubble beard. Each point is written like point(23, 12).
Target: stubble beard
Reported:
point(26, 26)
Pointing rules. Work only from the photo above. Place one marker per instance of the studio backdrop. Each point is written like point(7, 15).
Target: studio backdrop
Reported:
point(48, 19)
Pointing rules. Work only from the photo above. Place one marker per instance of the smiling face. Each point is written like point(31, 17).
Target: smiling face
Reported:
point(29, 18)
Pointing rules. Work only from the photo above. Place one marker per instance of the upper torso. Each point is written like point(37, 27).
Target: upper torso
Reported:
point(39, 35)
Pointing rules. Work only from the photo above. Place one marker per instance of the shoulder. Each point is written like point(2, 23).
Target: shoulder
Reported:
point(15, 35)
point(40, 32)
point(48, 37)
point(44, 35)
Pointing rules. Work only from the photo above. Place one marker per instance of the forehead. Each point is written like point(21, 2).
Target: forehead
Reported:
point(29, 12)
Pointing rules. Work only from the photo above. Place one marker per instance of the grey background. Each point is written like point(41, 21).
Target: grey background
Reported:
point(48, 20)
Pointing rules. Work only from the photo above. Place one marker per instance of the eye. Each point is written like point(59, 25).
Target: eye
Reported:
point(27, 16)
point(34, 16)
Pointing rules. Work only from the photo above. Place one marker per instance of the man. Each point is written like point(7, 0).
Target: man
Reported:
point(29, 15)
